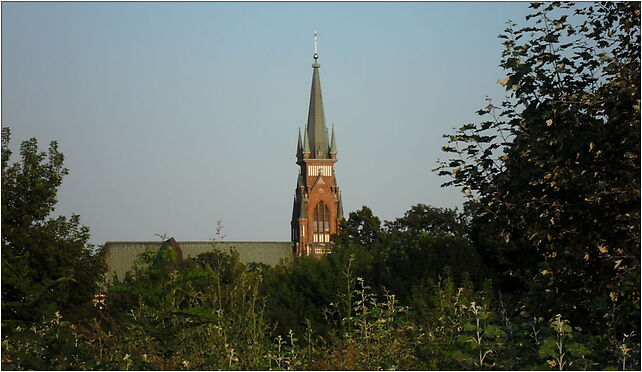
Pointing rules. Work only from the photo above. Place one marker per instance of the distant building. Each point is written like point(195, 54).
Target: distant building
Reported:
point(121, 256)
point(317, 200)
point(315, 216)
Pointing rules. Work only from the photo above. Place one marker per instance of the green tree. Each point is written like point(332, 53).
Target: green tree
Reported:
point(430, 219)
point(556, 166)
point(300, 292)
point(362, 228)
point(412, 249)
point(47, 263)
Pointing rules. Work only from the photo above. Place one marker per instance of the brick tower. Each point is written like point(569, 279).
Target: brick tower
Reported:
point(317, 199)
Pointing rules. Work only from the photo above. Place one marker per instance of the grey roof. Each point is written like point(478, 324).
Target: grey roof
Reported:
point(121, 256)
point(316, 129)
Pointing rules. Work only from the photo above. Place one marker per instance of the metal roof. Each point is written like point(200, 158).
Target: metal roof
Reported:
point(316, 130)
point(121, 256)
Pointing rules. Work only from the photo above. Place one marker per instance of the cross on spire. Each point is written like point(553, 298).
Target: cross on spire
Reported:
point(316, 54)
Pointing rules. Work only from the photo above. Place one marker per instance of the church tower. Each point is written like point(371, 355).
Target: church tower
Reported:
point(317, 199)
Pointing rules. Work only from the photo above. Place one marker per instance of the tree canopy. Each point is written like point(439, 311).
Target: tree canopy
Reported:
point(556, 165)
point(47, 263)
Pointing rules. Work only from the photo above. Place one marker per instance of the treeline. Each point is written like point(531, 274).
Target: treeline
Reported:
point(345, 311)
point(541, 270)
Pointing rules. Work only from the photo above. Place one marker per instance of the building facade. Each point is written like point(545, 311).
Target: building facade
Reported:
point(317, 199)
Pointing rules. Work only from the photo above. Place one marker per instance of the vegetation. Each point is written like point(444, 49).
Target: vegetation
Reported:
point(47, 264)
point(541, 270)
point(556, 167)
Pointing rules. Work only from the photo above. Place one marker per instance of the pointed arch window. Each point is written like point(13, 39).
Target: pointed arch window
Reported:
point(321, 218)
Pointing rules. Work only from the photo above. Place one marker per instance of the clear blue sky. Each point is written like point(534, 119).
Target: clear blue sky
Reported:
point(174, 115)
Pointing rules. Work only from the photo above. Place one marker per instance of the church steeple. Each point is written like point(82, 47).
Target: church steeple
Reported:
point(316, 128)
point(317, 206)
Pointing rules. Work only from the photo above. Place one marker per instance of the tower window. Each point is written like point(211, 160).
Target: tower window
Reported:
point(321, 218)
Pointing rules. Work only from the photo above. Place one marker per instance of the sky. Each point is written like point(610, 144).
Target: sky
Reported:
point(172, 116)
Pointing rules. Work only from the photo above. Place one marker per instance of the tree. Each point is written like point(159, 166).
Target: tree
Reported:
point(409, 251)
point(430, 219)
point(301, 292)
point(362, 228)
point(417, 247)
point(556, 167)
point(47, 263)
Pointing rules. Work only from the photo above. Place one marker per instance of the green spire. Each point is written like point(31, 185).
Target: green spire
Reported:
point(306, 142)
point(316, 118)
point(299, 145)
point(333, 143)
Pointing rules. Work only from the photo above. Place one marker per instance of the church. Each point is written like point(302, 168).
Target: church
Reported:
point(317, 199)
point(316, 212)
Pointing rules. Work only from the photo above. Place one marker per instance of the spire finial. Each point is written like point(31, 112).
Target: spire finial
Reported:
point(316, 55)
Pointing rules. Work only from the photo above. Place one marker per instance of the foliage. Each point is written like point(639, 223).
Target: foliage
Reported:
point(47, 263)
point(375, 335)
point(425, 218)
point(192, 318)
point(406, 252)
point(205, 312)
point(398, 256)
point(556, 166)
point(553, 219)
point(362, 228)
point(296, 294)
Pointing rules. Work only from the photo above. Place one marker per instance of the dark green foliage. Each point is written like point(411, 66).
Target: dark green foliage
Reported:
point(362, 228)
point(47, 264)
point(399, 256)
point(301, 291)
point(556, 167)
point(424, 218)
point(192, 318)
point(553, 222)
point(205, 312)
point(412, 249)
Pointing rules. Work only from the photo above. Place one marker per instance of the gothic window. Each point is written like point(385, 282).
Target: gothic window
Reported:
point(321, 221)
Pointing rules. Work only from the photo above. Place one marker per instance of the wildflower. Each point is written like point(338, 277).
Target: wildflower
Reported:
point(551, 363)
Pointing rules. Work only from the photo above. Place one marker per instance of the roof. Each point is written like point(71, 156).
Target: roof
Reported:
point(333, 143)
point(316, 130)
point(299, 145)
point(121, 256)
